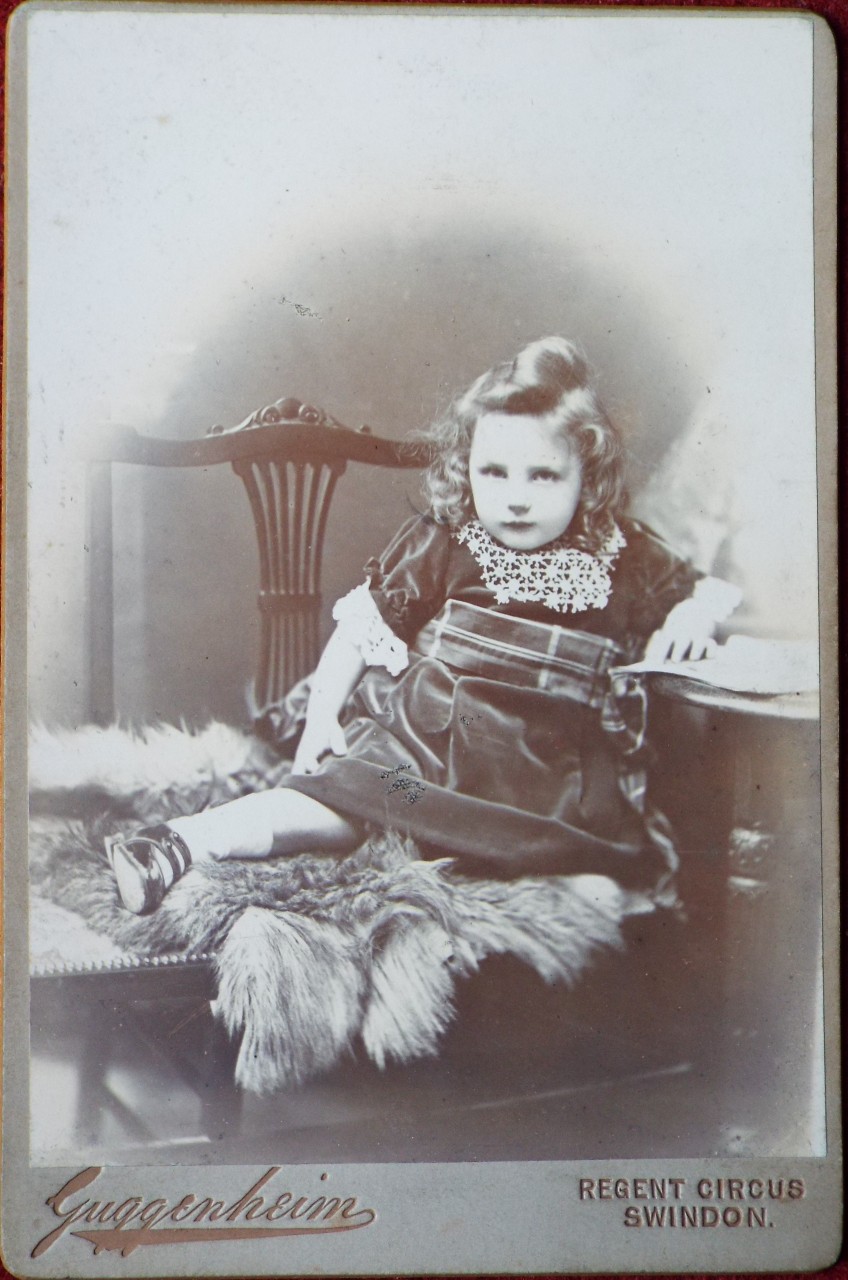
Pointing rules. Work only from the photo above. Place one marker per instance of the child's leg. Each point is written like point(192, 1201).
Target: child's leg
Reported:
point(263, 824)
point(255, 826)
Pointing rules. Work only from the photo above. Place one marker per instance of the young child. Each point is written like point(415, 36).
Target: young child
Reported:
point(465, 696)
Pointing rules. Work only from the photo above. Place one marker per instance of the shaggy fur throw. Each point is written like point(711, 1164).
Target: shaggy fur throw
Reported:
point(313, 952)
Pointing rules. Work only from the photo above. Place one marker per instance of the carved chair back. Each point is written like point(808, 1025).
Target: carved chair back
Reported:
point(289, 457)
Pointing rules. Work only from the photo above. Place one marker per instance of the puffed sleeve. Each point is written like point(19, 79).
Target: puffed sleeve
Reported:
point(408, 581)
point(405, 587)
point(660, 579)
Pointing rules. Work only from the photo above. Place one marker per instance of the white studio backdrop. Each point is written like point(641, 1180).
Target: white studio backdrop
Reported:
point(186, 167)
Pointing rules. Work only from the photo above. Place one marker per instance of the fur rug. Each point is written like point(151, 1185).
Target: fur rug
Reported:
point(314, 953)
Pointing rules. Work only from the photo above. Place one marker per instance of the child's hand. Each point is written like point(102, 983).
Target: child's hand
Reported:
point(686, 634)
point(322, 733)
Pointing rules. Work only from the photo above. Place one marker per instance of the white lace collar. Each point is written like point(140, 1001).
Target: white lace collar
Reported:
point(559, 577)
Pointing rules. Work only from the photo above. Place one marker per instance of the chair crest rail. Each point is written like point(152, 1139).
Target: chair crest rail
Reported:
point(292, 439)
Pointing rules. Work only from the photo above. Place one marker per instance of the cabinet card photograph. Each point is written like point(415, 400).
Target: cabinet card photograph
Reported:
point(420, 816)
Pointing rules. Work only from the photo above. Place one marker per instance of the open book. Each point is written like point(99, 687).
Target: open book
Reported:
point(747, 665)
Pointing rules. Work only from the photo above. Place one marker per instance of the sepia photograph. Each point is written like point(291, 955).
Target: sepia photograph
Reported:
point(420, 666)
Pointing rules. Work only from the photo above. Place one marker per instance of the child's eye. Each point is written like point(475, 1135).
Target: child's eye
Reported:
point(491, 469)
point(546, 475)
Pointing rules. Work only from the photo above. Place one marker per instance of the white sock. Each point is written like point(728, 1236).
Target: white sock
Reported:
point(239, 829)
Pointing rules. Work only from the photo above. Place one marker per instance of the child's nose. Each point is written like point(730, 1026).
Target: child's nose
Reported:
point(519, 507)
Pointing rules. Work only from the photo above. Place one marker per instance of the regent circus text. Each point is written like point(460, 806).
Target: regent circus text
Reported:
point(700, 1203)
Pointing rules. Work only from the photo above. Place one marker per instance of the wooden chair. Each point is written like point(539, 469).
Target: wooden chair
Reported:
point(289, 457)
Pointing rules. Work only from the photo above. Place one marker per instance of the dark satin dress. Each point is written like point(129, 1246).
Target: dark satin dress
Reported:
point(504, 742)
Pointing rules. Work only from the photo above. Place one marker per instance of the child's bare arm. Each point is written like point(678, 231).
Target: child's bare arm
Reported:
point(687, 633)
point(337, 674)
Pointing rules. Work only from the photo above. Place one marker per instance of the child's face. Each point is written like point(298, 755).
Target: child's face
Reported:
point(525, 480)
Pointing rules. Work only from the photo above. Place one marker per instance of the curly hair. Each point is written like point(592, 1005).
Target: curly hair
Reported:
point(548, 379)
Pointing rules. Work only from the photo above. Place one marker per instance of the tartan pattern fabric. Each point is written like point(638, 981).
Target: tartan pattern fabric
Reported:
point(518, 651)
point(569, 663)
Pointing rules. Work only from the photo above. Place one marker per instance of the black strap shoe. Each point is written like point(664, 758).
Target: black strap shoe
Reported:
point(139, 872)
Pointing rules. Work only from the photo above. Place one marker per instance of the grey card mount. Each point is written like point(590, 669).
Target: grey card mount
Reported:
point(420, 815)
